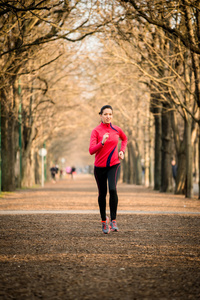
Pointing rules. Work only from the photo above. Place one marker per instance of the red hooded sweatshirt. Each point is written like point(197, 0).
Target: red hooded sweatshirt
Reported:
point(107, 155)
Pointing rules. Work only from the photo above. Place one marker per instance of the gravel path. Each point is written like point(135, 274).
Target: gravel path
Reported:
point(52, 246)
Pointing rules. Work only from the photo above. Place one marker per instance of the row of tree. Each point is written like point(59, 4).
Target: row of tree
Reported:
point(36, 58)
point(144, 60)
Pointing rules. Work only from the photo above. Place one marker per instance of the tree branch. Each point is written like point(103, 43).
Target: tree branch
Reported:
point(184, 39)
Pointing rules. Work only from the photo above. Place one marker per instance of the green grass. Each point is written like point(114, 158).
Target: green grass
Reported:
point(2, 194)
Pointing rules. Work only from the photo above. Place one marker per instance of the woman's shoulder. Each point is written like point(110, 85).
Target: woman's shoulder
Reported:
point(96, 128)
point(115, 127)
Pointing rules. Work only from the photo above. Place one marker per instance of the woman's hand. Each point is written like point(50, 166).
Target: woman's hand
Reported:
point(105, 137)
point(121, 155)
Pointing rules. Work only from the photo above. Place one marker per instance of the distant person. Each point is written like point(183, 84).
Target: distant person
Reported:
point(57, 170)
point(174, 169)
point(68, 170)
point(104, 144)
point(53, 173)
point(73, 170)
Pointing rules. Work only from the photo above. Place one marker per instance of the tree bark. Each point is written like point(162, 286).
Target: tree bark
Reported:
point(8, 146)
point(181, 173)
point(199, 159)
point(138, 165)
point(151, 150)
point(131, 169)
point(188, 190)
point(157, 147)
point(166, 150)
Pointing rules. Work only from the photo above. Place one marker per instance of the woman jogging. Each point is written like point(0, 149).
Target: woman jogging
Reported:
point(104, 144)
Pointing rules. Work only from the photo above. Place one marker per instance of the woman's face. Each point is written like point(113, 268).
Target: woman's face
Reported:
point(106, 116)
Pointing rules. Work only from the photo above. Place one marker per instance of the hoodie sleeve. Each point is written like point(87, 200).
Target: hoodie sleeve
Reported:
point(94, 145)
point(124, 140)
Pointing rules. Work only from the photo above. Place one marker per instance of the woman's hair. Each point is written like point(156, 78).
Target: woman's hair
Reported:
point(104, 107)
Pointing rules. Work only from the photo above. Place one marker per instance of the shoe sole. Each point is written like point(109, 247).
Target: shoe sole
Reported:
point(113, 230)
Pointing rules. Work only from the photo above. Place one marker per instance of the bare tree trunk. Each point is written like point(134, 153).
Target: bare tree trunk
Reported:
point(8, 144)
point(166, 150)
point(37, 168)
point(188, 190)
point(146, 163)
point(28, 179)
point(8, 152)
point(146, 149)
point(191, 34)
point(128, 167)
point(199, 159)
point(131, 158)
point(196, 159)
point(138, 165)
point(181, 171)
point(150, 150)
point(28, 162)
point(136, 168)
point(132, 164)
point(180, 153)
point(157, 151)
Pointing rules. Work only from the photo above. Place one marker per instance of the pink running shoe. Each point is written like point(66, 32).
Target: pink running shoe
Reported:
point(113, 225)
point(105, 226)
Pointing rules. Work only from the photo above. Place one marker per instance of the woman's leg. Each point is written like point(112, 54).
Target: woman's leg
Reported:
point(101, 179)
point(113, 175)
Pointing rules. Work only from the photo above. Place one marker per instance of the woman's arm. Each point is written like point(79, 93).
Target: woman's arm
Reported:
point(94, 145)
point(124, 140)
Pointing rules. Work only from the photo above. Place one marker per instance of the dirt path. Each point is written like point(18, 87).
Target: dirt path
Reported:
point(81, 195)
point(52, 247)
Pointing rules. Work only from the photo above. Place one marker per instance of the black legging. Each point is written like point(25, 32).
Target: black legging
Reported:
point(102, 175)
